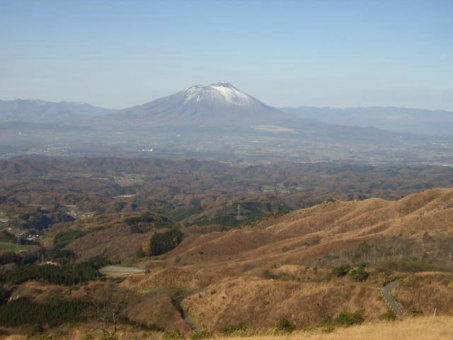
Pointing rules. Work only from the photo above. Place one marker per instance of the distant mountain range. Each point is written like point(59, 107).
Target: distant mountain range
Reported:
point(222, 104)
point(40, 111)
point(420, 121)
point(219, 119)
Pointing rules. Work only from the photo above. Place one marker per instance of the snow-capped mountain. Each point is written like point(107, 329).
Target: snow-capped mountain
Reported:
point(216, 120)
point(217, 93)
point(218, 104)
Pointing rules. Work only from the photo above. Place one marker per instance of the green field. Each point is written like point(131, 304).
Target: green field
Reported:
point(13, 246)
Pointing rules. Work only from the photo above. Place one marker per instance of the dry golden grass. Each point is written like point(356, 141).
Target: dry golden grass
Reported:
point(224, 271)
point(426, 328)
point(421, 328)
point(413, 291)
point(259, 303)
point(301, 236)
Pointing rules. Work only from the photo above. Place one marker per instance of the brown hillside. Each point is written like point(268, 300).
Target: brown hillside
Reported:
point(281, 267)
point(420, 225)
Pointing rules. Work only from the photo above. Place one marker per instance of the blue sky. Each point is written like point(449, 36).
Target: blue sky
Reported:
point(286, 53)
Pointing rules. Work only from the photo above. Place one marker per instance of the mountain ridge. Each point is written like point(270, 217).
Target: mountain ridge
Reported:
point(399, 119)
point(216, 120)
point(221, 103)
point(41, 111)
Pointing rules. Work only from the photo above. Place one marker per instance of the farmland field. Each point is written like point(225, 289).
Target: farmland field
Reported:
point(13, 247)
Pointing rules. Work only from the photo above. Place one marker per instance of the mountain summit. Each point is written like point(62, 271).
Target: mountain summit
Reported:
point(214, 105)
point(217, 93)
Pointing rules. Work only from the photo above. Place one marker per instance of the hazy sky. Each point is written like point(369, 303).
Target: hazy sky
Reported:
point(286, 53)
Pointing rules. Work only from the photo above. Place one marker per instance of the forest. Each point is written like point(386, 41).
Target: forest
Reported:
point(39, 192)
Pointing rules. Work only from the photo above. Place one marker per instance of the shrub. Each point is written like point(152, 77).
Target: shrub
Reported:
point(147, 218)
point(201, 334)
point(284, 325)
point(24, 311)
point(388, 316)
point(341, 270)
point(62, 239)
point(411, 265)
point(173, 335)
point(6, 236)
point(358, 273)
point(327, 325)
point(141, 228)
point(69, 274)
point(62, 256)
point(118, 206)
point(228, 330)
point(19, 259)
point(97, 262)
point(348, 319)
point(163, 241)
point(3, 294)
point(268, 275)
point(9, 257)
point(140, 252)
point(415, 312)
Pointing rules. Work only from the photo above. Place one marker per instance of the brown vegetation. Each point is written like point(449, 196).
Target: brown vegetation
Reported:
point(259, 274)
point(280, 268)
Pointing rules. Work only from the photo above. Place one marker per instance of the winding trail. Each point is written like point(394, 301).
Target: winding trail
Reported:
point(386, 293)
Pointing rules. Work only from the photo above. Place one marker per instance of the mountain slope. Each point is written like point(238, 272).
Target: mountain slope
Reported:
point(429, 122)
point(419, 225)
point(218, 104)
point(282, 267)
point(227, 109)
point(39, 111)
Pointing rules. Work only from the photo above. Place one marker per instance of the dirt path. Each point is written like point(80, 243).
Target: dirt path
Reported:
point(386, 293)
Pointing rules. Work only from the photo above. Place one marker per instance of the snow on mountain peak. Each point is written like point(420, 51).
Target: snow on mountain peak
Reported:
point(222, 92)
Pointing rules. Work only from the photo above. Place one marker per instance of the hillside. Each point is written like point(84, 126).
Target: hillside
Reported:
point(418, 225)
point(315, 268)
point(408, 329)
point(280, 267)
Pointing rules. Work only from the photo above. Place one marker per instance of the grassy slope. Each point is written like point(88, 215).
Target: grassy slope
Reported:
point(220, 274)
point(425, 328)
point(224, 270)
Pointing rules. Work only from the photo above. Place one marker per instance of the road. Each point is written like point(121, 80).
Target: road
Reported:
point(386, 293)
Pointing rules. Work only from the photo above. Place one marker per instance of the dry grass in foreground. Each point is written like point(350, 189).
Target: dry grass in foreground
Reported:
point(426, 328)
